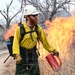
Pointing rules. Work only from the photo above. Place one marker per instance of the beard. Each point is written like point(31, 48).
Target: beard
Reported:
point(33, 21)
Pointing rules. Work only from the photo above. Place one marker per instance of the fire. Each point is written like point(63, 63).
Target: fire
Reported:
point(10, 32)
point(60, 33)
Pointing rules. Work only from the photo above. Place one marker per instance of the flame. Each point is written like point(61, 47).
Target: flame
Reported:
point(60, 33)
point(10, 31)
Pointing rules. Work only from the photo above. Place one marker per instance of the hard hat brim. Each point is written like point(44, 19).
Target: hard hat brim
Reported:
point(35, 13)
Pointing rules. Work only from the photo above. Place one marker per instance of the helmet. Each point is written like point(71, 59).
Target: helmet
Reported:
point(30, 10)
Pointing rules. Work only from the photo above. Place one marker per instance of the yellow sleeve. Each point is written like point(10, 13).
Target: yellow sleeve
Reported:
point(16, 40)
point(43, 39)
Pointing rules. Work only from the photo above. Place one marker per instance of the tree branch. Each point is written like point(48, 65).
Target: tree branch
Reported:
point(3, 14)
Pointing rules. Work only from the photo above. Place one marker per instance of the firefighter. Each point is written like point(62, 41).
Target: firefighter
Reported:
point(25, 52)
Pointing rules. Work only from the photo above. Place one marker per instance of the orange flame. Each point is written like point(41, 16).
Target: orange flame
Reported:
point(61, 33)
point(10, 32)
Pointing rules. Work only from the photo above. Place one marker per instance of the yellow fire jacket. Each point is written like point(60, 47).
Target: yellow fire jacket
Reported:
point(27, 42)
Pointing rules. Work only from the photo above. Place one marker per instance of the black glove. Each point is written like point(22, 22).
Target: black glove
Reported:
point(55, 53)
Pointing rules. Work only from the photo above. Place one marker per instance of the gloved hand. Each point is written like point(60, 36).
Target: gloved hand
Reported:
point(18, 58)
point(55, 53)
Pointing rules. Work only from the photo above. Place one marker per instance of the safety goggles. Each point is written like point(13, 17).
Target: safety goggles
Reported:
point(34, 15)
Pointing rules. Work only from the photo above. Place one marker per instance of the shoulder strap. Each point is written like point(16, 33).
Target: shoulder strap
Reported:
point(36, 29)
point(22, 30)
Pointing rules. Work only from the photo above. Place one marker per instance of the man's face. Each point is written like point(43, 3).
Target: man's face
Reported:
point(33, 19)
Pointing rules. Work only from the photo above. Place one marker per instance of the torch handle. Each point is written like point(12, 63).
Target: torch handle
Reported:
point(6, 59)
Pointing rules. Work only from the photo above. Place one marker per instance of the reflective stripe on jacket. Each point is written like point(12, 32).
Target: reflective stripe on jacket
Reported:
point(27, 42)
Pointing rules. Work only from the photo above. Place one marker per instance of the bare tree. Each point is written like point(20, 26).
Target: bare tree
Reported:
point(49, 8)
point(6, 14)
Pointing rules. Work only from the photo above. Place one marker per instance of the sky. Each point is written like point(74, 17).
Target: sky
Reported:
point(4, 3)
